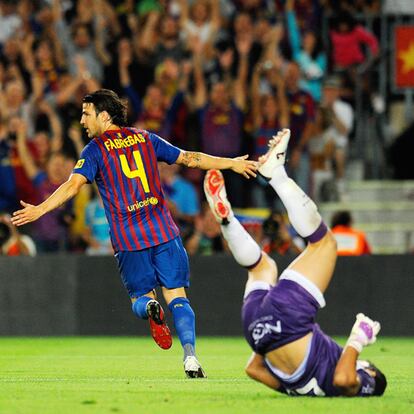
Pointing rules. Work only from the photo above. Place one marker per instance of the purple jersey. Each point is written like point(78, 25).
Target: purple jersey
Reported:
point(317, 378)
point(319, 370)
point(123, 163)
point(273, 318)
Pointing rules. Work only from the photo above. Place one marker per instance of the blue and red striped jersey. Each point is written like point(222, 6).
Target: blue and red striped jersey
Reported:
point(123, 163)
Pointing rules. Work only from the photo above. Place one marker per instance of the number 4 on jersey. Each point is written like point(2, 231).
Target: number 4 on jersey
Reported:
point(139, 172)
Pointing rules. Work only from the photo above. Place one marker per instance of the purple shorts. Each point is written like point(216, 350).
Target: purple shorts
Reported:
point(273, 317)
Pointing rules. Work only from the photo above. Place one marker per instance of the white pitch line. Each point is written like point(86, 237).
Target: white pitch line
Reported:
point(126, 380)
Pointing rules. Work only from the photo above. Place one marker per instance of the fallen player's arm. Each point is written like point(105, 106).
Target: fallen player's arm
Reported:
point(257, 370)
point(240, 165)
point(64, 193)
point(345, 376)
point(363, 333)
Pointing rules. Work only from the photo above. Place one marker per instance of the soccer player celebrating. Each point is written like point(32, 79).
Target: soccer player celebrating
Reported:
point(290, 352)
point(146, 241)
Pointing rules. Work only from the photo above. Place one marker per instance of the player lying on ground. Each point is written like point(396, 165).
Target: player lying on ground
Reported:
point(146, 241)
point(290, 352)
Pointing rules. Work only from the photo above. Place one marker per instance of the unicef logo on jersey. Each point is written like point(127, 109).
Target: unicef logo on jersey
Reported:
point(264, 328)
point(143, 203)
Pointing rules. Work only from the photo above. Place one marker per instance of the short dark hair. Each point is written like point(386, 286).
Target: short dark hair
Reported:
point(344, 17)
point(109, 101)
point(380, 380)
point(341, 218)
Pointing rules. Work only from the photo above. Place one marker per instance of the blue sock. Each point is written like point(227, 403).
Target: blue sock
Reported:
point(139, 307)
point(184, 321)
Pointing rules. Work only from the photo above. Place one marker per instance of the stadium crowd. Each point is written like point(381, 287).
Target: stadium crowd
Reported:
point(218, 76)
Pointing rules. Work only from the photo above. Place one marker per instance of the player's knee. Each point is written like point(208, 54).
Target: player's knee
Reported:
point(265, 270)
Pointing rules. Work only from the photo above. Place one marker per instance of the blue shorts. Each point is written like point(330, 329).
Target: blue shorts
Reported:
point(163, 265)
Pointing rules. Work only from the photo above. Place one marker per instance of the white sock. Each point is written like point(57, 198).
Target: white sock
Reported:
point(302, 211)
point(245, 250)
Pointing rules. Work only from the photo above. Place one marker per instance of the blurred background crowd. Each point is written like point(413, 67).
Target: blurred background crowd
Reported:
point(218, 76)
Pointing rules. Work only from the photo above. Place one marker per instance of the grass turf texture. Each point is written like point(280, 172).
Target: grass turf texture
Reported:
point(131, 375)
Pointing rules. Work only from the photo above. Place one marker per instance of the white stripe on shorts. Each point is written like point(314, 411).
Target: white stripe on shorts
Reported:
point(256, 285)
point(308, 285)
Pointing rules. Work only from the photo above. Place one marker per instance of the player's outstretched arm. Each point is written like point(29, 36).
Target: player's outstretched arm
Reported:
point(363, 333)
point(65, 192)
point(240, 165)
point(257, 370)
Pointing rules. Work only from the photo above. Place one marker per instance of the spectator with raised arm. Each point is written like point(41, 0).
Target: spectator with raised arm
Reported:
point(270, 38)
point(270, 113)
point(302, 115)
point(48, 64)
point(243, 29)
point(8, 190)
point(221, 112)
point(78, 41)
point(14, 183)
point(75, 136)
point(50, 232)
point(322, 150)
point(341, 118)
point(173, 78)
point(71, 91)
point(78, 230)
point(47, 138)
point(161, 38)
point(201, 20)
point(307, 52)
point(270, 110)
point(10, 20)
point(14, 102)
point(156, 111)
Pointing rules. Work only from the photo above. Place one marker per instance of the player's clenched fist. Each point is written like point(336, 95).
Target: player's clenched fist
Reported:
point(364, 332)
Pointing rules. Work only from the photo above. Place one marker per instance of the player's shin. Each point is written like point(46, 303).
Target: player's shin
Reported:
point(245, 250)
point(184, 321)
point(302, 211)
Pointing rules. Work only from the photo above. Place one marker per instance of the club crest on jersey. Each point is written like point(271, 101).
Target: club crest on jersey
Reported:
point(80, 163)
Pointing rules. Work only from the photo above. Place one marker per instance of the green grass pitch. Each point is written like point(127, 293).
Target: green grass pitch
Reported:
point(131, 375)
